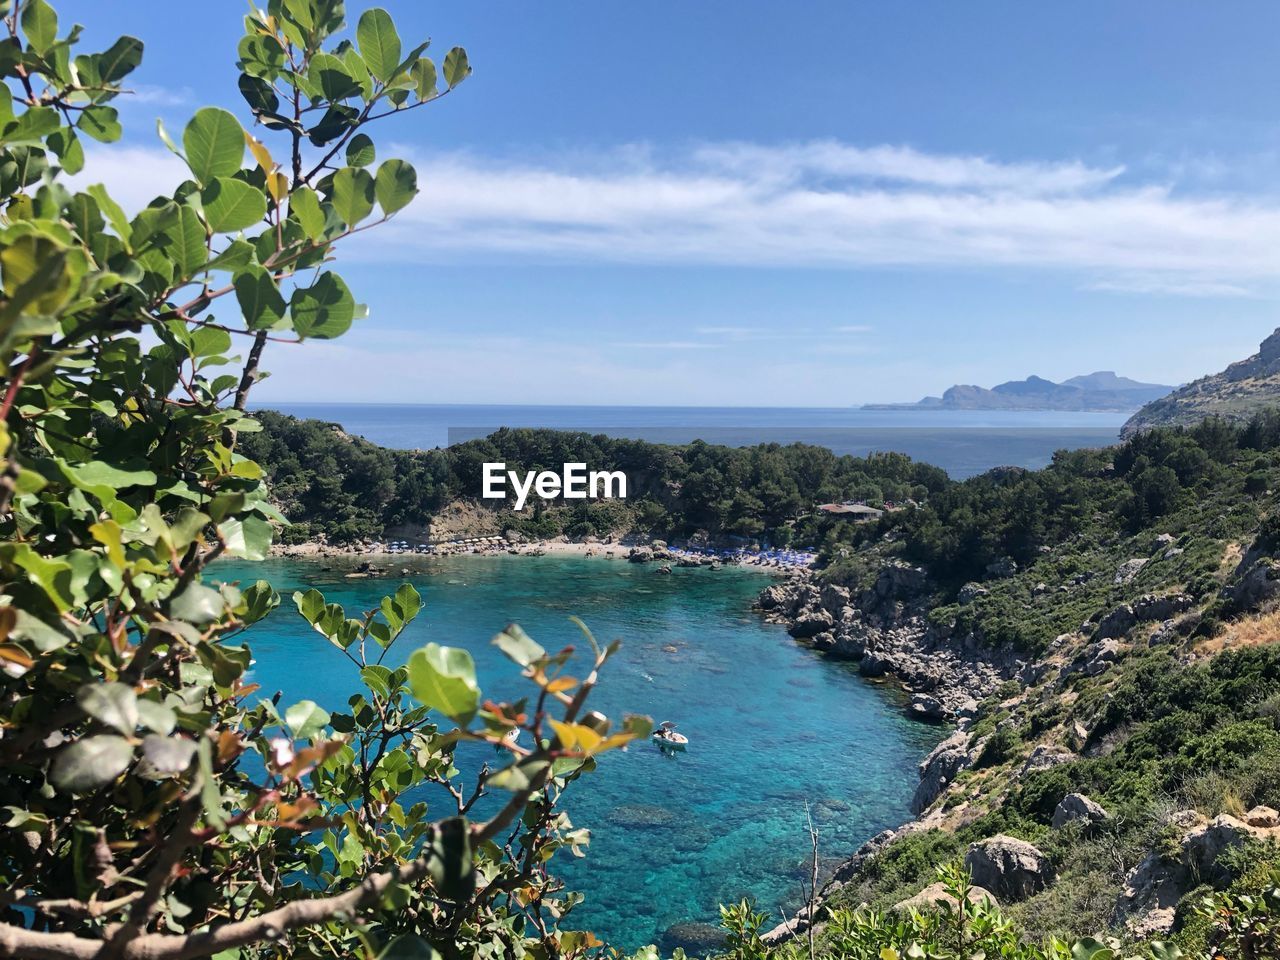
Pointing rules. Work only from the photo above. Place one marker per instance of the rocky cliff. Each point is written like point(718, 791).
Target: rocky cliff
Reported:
point(1236, 393)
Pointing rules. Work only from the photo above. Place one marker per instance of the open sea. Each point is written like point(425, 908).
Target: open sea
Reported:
point(962, 442)
point(773, 727)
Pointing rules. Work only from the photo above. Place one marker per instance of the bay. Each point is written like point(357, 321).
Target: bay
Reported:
point(773, 727)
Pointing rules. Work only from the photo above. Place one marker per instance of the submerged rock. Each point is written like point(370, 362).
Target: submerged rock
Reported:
point(641, 815)
point(698, 939)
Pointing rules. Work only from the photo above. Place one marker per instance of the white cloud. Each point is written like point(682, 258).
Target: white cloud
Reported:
point(821, 204)
point(146, 93)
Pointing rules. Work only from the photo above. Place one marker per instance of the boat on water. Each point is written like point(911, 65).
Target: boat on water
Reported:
point(667, 739)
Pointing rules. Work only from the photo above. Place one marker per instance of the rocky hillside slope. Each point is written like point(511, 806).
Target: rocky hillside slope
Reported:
point(1234, 394)
point(1115, 754)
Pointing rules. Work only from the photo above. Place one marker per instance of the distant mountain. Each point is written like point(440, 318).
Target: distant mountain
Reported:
point(1101, 392)
point(1234, 394)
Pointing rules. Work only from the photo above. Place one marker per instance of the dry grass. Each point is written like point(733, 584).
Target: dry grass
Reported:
point(1247, 632)
point(1231, 558)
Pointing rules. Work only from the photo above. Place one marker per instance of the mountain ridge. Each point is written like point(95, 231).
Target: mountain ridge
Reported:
point(1102, 391)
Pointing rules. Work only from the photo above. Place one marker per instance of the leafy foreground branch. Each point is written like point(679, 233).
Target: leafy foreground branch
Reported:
point(155, 805)
point(960, 924)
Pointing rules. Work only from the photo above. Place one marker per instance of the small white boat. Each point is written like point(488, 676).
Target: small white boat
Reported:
point(667, 739)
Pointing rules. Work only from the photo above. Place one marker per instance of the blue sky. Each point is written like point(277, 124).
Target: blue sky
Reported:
point(820, 203)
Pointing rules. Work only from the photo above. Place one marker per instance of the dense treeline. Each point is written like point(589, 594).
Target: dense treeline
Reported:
point(1012, 513)
point(353, 489)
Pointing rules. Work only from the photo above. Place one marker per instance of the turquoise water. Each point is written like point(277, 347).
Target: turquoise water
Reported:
point(772, 725)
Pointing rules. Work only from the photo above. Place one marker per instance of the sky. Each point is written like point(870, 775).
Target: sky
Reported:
point(733, 202)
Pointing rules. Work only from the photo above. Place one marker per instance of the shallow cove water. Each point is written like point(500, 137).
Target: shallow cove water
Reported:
point(772, 726)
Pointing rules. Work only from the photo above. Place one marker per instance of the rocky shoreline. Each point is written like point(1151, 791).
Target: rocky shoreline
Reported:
point(885, 628)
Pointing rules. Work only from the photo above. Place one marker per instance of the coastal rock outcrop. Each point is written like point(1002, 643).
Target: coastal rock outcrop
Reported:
point(1011, 867)
point(1077, 808)
point(1128, 570)
point(1044, 756)
point(1257, 586)
point(884, 627)
point(1153, 888)
point(810, 623)
point(939, 768)
point(936, 893)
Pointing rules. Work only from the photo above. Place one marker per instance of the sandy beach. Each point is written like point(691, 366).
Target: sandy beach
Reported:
point(662, 555)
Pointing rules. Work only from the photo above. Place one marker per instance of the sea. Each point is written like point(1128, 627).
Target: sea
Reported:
point(962, 442)
point(777, 734)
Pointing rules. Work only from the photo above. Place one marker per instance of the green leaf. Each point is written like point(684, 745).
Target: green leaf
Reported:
point(360, 151)
point(444, 679)
point(32, 127)
point(336, 83)
point(519, 776)
point(309, 604)
point(518, 647)
point(396, 185)
point(187, 242)
point(306, 719)
point(214, 141)
point(408, 601)
point(304, 206)
point(96, 474)
point(353, 194)
point(156, 717)
point(40, 24)
point(231, 205)
point(324, 310)
point(167, 756)
point(90, 763)
point(249, 538)
point(197, 604)
point(425, 83)
point(237, 255)
point(112, 704)
point(451, 866)
point(258, 93)
point(111, 210)
point(66, 145)
point(408, 947)
point(379, 43)
point(120, 59)
point(259, 298)
point(1091, 949)
point(456, 67)
point(101, 122)
point(377, 678)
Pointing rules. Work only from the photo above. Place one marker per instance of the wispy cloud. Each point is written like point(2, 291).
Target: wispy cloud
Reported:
point(146, 93)
point(825, 204)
